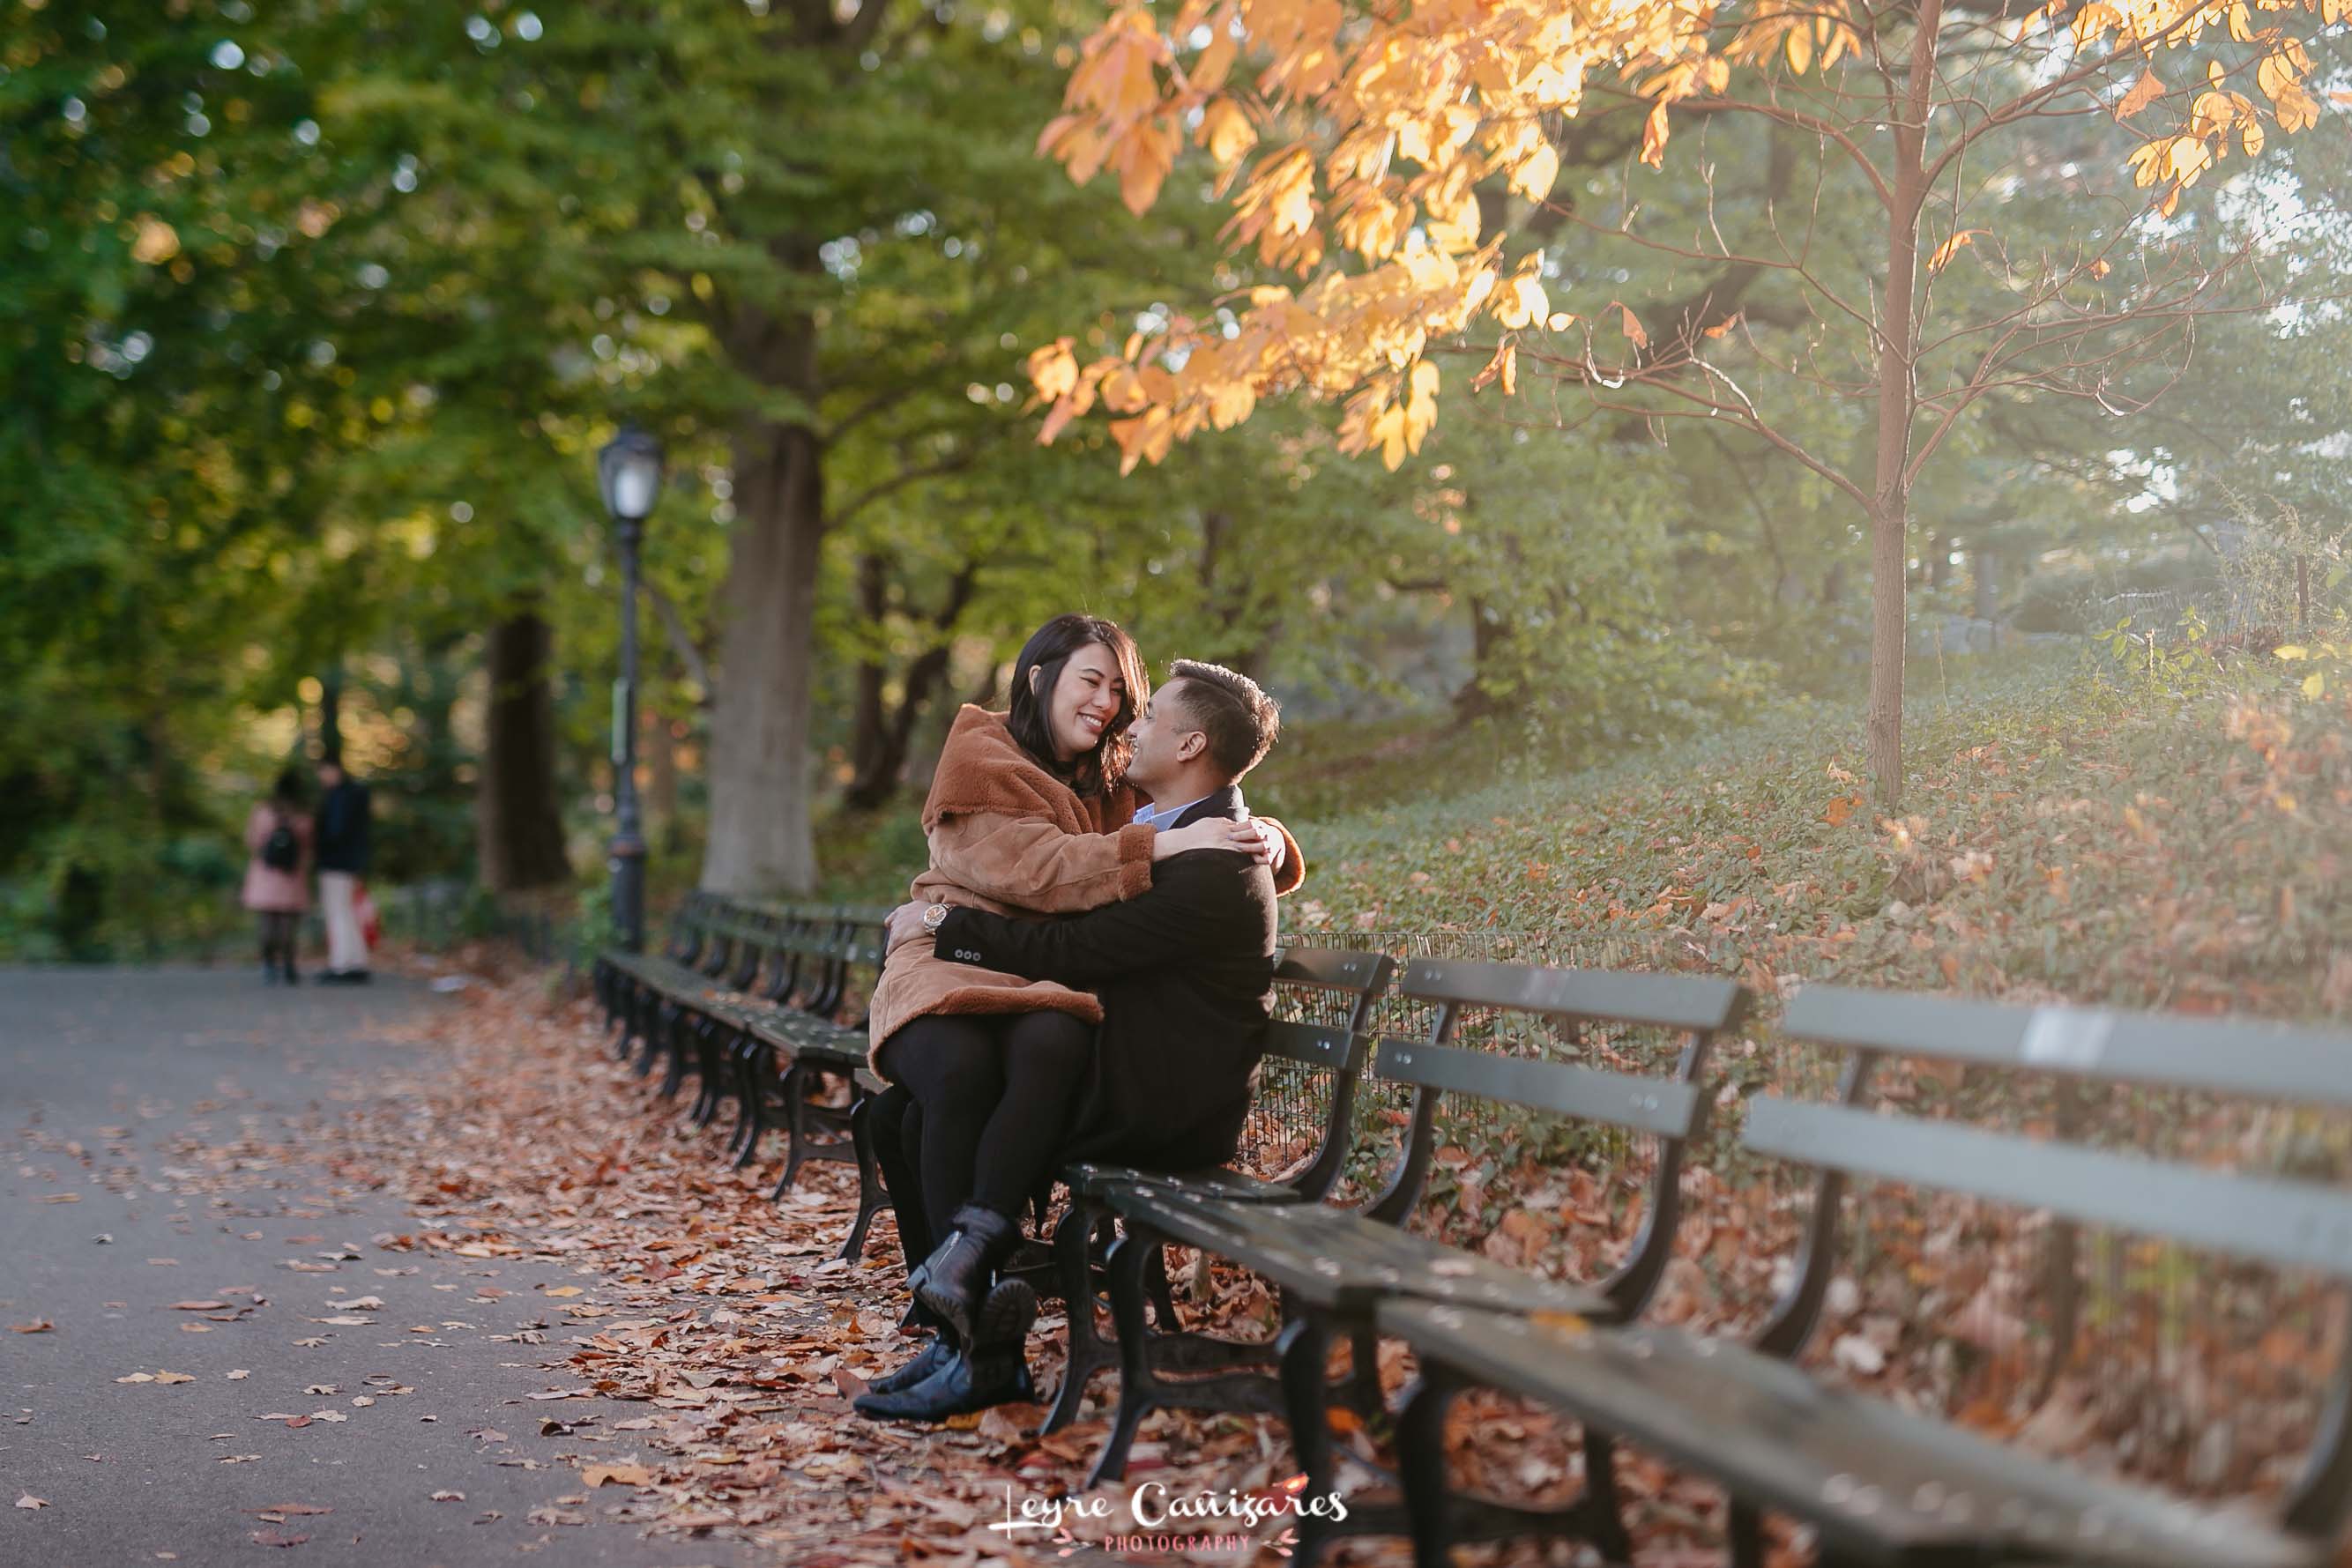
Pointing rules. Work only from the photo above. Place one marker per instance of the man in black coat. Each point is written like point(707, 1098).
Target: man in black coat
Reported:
point(1185, 972)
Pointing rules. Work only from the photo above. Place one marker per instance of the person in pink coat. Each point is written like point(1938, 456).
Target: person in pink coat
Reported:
point(277, 873)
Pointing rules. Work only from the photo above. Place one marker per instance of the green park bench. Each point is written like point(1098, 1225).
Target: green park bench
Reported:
point(1336, 1266)
point(1881, 1484)
point(762, 1002)
point(1300, 1122)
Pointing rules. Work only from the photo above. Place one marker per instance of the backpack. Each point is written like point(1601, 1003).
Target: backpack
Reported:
point(281, 851)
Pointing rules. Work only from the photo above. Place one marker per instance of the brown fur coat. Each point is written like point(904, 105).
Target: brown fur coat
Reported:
point(1009, 837)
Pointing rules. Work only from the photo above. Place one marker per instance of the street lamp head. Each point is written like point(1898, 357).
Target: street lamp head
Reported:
point(629, 472)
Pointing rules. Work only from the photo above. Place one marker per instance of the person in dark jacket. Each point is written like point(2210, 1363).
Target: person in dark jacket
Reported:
point(1185, 973)
point(341, 847)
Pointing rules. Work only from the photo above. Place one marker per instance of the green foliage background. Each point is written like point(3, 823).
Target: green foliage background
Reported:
point(312, 315)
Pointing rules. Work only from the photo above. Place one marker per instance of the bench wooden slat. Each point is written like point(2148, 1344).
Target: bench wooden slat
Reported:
point(2232, 1055)
point(2294, 1224)
point(1881, 1482)
point(1332, 1257)
point(1665, 1106)
point(1317, 1045)
point(1704, 1003)
point(1334, 969)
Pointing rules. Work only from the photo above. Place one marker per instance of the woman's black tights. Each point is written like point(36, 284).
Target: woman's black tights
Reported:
point(278, 930)
point(993, 1097)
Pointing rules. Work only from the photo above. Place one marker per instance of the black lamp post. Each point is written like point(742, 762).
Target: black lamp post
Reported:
point(629, 473)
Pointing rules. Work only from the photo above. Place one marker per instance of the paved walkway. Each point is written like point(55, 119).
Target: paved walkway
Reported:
point(152, 1157)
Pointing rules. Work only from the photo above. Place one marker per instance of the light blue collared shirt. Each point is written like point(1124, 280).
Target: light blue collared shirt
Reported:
point(1158, 819)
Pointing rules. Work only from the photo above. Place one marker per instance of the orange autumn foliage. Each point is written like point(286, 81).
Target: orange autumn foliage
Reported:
point(1352, 141)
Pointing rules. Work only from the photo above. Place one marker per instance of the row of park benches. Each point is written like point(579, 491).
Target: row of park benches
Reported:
point(763, 1004)
point(1877, 1482)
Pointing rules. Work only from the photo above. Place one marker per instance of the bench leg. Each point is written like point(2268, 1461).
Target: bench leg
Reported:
point(631, 1026)
point(1440, 1518)
point(657, 1017)
point(751, 1122)
point(871, 1200)
point(642, 1007)
point(674, 1048)
point(1604, 1511)
point(1305, 1348)
point(698, 1037)
point(1164, 1300)
point(715, 1078)
point(1138, 1390)
point(1073, 1263)
point(1421, 1465)
point(795, 1091)
point(1362, 1392)
point(1745, 1531)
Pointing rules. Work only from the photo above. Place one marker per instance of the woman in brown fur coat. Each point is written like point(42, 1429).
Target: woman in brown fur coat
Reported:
point(1027, 814)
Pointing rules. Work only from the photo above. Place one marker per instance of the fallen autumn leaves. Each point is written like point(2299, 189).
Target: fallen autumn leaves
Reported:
point(726, 1316)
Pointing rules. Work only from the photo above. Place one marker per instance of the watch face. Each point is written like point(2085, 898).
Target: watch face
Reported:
point(935, 917)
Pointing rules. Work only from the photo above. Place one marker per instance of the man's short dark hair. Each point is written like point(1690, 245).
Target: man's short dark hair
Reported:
point(1241, 721)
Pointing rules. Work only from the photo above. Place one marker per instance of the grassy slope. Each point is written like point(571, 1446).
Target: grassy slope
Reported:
point(2064, 832)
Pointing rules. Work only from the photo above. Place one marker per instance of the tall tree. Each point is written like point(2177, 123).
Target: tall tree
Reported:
point(1405, 161)
point(518, 843)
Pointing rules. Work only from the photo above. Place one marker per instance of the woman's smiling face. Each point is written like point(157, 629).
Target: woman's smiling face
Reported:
point(1087, 701)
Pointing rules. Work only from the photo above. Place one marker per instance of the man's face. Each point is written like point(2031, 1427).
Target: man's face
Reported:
point(329, 775)
point(1165, 739)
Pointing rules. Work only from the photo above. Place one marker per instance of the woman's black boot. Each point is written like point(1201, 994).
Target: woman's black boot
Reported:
point(932, 1357)
point(996, 1370)
point(955, 1278)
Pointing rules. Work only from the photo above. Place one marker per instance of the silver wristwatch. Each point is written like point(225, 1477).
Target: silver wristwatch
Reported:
point(934, 917)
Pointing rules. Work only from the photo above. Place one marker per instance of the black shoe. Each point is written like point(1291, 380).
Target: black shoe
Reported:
point(292, 978)
point(996, 1373)
point(356, 977)
point(956, 1275)
point(932, 1356)
point(328, 978)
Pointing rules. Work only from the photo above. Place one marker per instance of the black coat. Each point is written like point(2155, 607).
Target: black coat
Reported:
point(1185, 971)
point(343, 828)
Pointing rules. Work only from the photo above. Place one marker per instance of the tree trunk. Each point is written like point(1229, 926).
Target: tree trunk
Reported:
point(518, 820)
point(761, 838)
point(1489, 632)
point(1890, 505)
point(1984, 570)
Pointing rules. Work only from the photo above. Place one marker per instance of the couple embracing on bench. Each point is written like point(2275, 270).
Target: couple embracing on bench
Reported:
point(1085, 972)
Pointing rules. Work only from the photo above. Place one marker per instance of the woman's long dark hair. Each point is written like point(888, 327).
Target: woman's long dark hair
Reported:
point(288, 790)
point(1049, 649)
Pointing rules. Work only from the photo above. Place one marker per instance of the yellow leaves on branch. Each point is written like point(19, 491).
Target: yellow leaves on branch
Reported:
point(1116, 119)
point(1951, 247)
point(1373, 419)
point(2145, 92)
point(1800, 32)
point(1354, 143)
